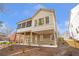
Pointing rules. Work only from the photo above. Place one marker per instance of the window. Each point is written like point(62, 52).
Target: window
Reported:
point(41, 21)
point(77, 31)
point(23, 25)
point(47, 19)
point(29, 23)
point(19, 26)
point(35, 22)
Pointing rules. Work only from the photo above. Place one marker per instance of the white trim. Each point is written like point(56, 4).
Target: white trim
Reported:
point(41, 37)
point(48, 45)
point(51, 37)
point(40, 45)
point(31, 37)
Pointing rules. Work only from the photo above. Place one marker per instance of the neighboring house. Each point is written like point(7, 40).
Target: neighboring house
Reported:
point(12, 37)
point(3, 37)
point(40, 30)
point(74, 23)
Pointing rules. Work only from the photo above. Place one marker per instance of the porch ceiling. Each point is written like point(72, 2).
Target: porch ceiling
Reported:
point(39, 32)
point(45, 32)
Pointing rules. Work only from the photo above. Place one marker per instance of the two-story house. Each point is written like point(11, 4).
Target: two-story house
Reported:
point(40, 30)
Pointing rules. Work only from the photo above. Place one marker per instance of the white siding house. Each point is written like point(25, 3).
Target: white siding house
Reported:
point(38, 30)
point(74, 23)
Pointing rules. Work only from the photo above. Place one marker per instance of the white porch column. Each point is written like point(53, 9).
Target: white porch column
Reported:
point(55, 39)
point(24, 40)
point(41, 37)
point(44, 21)
point(19, 38)
point(27, 40)
point(31, 37)
point(36, 39)
point(51, 37)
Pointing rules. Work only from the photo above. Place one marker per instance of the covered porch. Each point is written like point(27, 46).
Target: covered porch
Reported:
point(39, 38)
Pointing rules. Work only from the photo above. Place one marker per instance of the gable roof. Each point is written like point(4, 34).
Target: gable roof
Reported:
point(47, 10)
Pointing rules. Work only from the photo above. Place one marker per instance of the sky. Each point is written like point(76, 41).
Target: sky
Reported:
point(14, 13)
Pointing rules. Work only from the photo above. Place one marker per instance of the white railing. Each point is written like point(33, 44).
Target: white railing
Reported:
point(37, 28)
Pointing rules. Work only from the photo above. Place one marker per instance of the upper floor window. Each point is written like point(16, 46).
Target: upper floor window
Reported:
point(29, 23)
point(47, 19)
point(23, 25)
point(19, 26)
point(41, 21)
point(35, 22)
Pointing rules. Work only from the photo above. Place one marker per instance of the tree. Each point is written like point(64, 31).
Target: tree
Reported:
point(7, 30)
point(1, 23)
point(1, 10)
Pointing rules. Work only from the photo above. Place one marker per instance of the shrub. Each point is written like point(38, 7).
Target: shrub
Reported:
point(13, 42)
point(61, 38)
point(0, 43)
point(8, 43)
point(3, 42)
